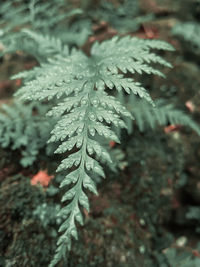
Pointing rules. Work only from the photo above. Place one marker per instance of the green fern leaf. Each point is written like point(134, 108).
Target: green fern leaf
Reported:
point(85, 112)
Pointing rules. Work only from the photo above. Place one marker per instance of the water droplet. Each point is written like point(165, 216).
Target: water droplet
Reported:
point(88, 166)
point(80, 129)
point(110, 84)
point(71, 132)
point(92, 117)
point(100, 118)
point(59, 83)
point(90, 150)
point(95, 102)
point(79, 143)
point(92, 132)
point(70, 147)
point(77, 162)
point(67, 81)
point(83, 101)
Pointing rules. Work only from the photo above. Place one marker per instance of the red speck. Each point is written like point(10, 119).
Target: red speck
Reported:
point(196, 253)
point(171, 128)
point(112, 144)
point(42, 178)
point(150, 32)
point(18, 82)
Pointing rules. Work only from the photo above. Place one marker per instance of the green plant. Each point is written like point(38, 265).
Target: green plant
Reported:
point(193, 213)
point(81, 92)
point(147, 116)
point(189, 32)
point(46, 18)
point(23, 127)
point(86, 112)
point(183, 259)
point(124, 17)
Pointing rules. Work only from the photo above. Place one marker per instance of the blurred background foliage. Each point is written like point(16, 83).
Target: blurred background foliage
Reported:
point(148, 209)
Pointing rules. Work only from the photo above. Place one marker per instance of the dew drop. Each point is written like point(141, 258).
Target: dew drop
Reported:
point(92, 117)
point(88, 166)
point(77, 162)
point(70, 147)
point(110, 85)
point(100, 118)
point(83, 101)
point(80, 130)
point(67, 81)
point(95, 102)
point(92, 132)
point(59, 83)
point(90, 150)
point(78, 144)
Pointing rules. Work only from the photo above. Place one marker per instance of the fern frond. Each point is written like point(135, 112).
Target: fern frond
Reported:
point(189, 32)
point(85, 112)
point(162, 114)
point(23, 24)
point(125, 16)
point(21, 130)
